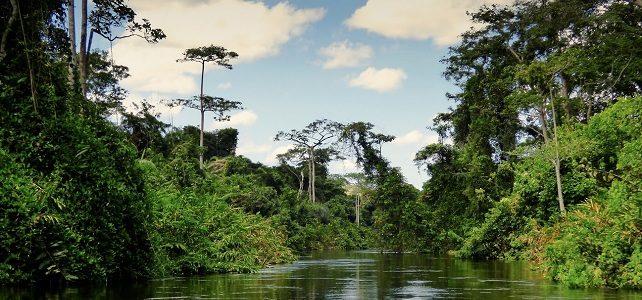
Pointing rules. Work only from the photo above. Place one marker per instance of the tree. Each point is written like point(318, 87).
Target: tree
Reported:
point(359, 186)
point(395, 200)
point(103, 19)
point(314, 137)
point(221, 57)
point(84, 215)
point(535, 66)
point(5, 33)
point(365, 145)
point(296, 157)
point(103, 83)
point(218, 143)
point(219, 106)
point(144, 128)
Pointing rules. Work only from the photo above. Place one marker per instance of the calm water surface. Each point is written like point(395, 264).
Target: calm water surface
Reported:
point(348, 275)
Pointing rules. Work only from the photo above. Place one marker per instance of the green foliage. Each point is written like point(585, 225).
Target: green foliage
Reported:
point(88, 206)
point(218, 143)
point(493, 238)
point(216, 54)
point(18, 202)
point(312, 226)
point(599, 244)
point(145, 130)
point(198, 233)
point(75, 205)
point(540, 98)
point(394, 215)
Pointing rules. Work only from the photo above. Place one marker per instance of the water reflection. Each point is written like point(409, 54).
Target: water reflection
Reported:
point(347, 275)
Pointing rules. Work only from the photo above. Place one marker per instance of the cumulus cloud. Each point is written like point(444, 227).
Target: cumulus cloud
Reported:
point(250, 28)
point(243, 118)
point(380, 80)
point(344, 166)
point(344, 54)
point(439, 20)
point(264, 153)
point(249, 148)
point(271, 159)
point(415, 137)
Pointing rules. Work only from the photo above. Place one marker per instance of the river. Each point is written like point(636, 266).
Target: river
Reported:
point(347, 275)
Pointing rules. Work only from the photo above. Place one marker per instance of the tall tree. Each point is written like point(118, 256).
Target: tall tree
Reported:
point(395, 200)
point(365, 145)
point(5, 33)
point(219, 143)
point(104, 19)
point(221, 57)
point(536, 65)
point(296, 157)
point(91, 224)
point(315, 136)
point(219, 106)
point(358, 186)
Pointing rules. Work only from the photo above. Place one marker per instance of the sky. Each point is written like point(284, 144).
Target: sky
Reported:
point(376, 61)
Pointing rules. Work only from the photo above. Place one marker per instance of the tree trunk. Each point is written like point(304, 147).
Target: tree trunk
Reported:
point(589, 110)
point(71, 24)
point(298, 194)
point(542, 121)
point(313, 178)
point(309, 175)
point(564, 94)
point(357, 204)
point(558, 175)
point(83, 48)
point(5, 34)
point(202, 115)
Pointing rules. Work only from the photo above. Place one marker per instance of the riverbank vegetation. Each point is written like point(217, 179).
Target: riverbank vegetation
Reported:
point(85, 199)
point(539, 159)
point(544, 159)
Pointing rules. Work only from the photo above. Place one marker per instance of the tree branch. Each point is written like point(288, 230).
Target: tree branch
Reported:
point(519, 58)
point(5, 34)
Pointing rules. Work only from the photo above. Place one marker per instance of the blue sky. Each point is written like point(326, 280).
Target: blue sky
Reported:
point(375, 61)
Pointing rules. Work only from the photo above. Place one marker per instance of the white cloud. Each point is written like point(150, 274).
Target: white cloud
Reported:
point(345, 54)
point(344, 166)
point(224, 86)
point(243, 118)
point(270, 159)
point(409, 138)
point(415, 137)
point(250, 28)
point(264, 153)
point(380, 80)
point(439, 20)
point(249, 148)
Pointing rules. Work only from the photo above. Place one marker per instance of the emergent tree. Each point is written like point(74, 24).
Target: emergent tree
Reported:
point(220, 56)
point(219, 106)
point(316, 135)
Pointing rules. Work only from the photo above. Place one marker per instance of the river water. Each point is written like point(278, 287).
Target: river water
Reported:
point(348, 275)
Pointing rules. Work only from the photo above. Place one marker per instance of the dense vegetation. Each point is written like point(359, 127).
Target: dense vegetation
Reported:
point(544, 162)
point(84, 199)
point(540, 159)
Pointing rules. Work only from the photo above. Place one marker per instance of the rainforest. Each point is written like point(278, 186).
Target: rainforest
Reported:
point(539, 158)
